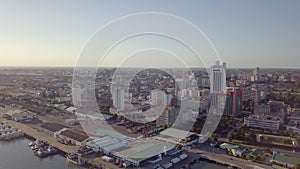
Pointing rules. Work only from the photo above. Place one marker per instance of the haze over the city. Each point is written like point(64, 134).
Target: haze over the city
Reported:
point(149, 84)
point(245, 33)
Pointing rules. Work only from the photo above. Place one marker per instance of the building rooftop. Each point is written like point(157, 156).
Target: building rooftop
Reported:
point(176, 133)
point(286, 159)
point(295, 115)
point(145, 149)
point(255, 152)
point(264, 118)
point(71, 109)
point(12, 112)
point(110, 133)
point(75, 134)
point(227, 146)
point(54, 127)
point(104, 141)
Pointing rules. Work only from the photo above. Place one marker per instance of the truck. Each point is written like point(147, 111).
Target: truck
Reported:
point(183, 156)
point(175, 160)
point(168, 165)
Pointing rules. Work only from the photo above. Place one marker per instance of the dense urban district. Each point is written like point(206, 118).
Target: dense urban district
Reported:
point(259, 124)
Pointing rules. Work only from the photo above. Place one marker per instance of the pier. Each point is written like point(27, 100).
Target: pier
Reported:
point(36, 134)
point(33, 133)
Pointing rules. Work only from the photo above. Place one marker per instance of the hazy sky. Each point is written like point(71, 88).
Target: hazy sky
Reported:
point(251, 33)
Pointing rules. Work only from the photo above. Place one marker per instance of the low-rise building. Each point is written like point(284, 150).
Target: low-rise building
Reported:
point(52, 128)
point(295, 116)
point(293, 128)
point(74, 137)
point(99, 144)
point(177, 136)
point(262, 122)
point(285, 161)
point(255, 153)
point(236, 150)
point(227, 146)
point(21, 117)
point(132, 152)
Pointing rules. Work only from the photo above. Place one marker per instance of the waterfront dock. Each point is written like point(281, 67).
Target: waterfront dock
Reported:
point(36, 134)
point(8, 133)
point(65, 149)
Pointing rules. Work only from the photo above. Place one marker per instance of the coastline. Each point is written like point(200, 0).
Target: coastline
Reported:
point(32, 134)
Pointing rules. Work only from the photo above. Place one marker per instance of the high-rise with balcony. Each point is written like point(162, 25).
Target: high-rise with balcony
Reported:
point(217, 83)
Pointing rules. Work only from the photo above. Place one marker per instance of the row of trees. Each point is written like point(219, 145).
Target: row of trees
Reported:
point(288, 98)
point(240, 134)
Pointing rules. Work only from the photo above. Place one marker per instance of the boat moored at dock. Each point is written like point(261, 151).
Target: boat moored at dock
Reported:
point(75, 158)
point(42, 149)
point(8, 133)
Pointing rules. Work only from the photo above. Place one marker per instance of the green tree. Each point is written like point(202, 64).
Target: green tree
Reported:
point(230, 136)
point(248, 157)
point(194, 129)
point(287, 141)
point(214, 137)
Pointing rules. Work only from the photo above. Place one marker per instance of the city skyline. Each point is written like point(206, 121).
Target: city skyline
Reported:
point(53, 33)
point(149, 84)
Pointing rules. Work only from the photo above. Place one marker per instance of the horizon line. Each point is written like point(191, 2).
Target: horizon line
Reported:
point(112, 67)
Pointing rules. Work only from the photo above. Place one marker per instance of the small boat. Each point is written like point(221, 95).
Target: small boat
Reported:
point(74, 159)
point(39, 143)
point(51, 150)
point(31, 144)
point(34, 147)
point(41, 153)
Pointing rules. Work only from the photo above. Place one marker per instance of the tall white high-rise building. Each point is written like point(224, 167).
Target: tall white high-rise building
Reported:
point(162, 101)
point(218, 77)
point(77, 92)
point(159, 98)
point(217, 82)
point(168, 116)
point(119, 98)
point(256, 74)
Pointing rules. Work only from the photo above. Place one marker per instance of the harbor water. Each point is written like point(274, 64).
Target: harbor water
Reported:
point(15, 154)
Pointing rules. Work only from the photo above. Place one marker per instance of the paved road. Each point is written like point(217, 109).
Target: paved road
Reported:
point(225, 159)
point(287, 152)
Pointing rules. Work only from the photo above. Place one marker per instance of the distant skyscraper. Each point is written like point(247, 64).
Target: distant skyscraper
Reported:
point(168, 117)
point(158, 98)
point(256, 74)
point(163, 102)
point(217, 82)
point(234, 101)
point(119, 98)
point(218, 77)
point(77, 92)
point(257, 95)
point(163, 119)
